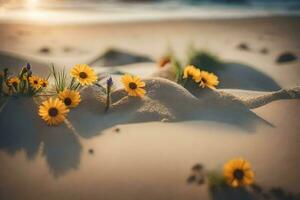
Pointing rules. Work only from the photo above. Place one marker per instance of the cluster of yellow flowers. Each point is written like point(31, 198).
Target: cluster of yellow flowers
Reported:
point(238, 172)
point(203, 78)
point(36, 82)
point(26, 83)
point(54, 110)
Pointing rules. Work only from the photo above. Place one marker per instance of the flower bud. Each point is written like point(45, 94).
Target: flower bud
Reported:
point(109, 82)
point(28, 66)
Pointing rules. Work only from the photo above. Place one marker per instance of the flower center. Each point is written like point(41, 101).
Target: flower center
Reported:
point(203, 80)
point(35, 82)
point(190, 73)
point(44, 84)
point(238, 174)
point(53, 112)
point(67, 101)
point(132, 85)
point(15, 84)
point(82, 75)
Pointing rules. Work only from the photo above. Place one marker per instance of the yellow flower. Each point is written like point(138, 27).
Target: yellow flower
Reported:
point(238, 173)
point(71, 98)
point(13, 81)
point(84, 74)
point(164, 61)
point(208, 80)
point(191, 71)
point(35, 82)
point(43, 82)
point(53, 111)
point(134, 86)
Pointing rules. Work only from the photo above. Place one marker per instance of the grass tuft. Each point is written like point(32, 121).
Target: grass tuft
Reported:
point(204, 60)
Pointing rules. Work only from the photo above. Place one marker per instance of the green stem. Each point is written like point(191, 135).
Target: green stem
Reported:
point(76, 87)
point(72, 83)
point(108, 98)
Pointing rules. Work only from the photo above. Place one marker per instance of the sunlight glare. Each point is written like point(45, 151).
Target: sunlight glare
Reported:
point(32, 4)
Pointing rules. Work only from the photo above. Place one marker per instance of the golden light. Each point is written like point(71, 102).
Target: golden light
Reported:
point(31, 4)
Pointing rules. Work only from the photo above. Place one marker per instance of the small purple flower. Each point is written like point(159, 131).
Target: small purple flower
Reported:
point(109, 82)
point(28, 66)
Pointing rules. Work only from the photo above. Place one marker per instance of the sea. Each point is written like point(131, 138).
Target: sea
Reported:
point(108, 11)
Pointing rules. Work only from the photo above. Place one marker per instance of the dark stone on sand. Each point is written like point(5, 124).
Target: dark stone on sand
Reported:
point(191, 179)
point(44, 50)
point(197, 167)
point(117, 130)
point(264, 51)
point(201, 181)
point(243, 46)
point(67, 49)
point(91, 151)
point(115, 57)
point(286, 57)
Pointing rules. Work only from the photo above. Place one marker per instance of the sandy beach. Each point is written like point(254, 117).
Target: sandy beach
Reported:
point(123, 158)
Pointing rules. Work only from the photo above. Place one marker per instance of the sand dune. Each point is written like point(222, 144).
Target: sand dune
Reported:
point(165, 101)
point(116, 57)
point(15, 62)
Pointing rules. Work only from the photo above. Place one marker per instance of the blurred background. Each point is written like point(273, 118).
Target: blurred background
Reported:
point(116, 9)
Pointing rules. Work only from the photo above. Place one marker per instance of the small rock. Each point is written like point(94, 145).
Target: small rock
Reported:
point(264, 51)
point(197, 167)
point(91, 151)
point(164, 61)
point(191, 179)
point(243, 46)
point(67, 49)
point(44, 50)
point(117, 130)
point(201, 181)
point(286, 57)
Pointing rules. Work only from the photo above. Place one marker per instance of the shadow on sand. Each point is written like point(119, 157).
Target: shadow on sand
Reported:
point(23, 130)
point(61, 149)
point(241, 76)
point(255, 192)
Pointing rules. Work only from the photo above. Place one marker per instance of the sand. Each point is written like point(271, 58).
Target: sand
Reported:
point(88, 42)
point(144, 149)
